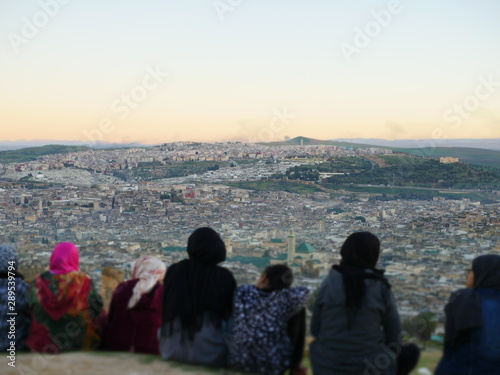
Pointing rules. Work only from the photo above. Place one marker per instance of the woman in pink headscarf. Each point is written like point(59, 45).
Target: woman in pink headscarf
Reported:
point(67, 312)
point(135, 313)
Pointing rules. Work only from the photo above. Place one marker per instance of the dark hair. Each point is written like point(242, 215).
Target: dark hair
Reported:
point(361, 249)
point(280, 276)
point(206, 245)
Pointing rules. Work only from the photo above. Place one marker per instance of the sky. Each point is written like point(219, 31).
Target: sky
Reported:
point(222, 70)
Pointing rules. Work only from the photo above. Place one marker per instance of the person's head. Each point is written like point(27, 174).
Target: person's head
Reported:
point(64, 259)
point(149, 270)
point(276, 277)
point(8, 254)
point(149, 267)
point(206, 245)
point(360, 249)
point(485, 272)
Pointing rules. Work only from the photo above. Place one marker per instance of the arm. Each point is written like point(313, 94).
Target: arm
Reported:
point(318, 308)
point(390, 320)
point(296, 329)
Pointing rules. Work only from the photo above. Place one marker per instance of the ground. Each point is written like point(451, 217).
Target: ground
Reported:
point(106, 363)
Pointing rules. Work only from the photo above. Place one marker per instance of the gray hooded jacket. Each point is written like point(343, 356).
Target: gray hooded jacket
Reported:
point(370, 345)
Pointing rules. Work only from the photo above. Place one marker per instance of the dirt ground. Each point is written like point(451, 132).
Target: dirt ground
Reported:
point(97, 364)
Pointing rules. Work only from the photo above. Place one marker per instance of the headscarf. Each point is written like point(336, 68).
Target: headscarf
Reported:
point(486, 270)
point(198, 286)
point(360, 253)
point(464, 310)
point(149, 270)
point(205, 245)
point(64, 259)
point(8, 254)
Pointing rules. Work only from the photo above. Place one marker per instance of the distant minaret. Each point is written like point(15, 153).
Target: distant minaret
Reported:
point(229, 247)
point(302, 141)
point(291, 247)
point(322, 226)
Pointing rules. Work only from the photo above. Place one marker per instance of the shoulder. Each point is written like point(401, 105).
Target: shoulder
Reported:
point(298, 294)
point(125, 287)
point(22, 286)
point(245, 290)
point(225, 276)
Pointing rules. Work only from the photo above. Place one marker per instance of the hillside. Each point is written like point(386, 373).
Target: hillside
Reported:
point(399, 170)
point(466, 155)
point(31, 153)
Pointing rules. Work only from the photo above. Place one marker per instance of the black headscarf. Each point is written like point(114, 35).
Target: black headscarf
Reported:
point(197, 285)
point(360, 253)
point(464, 311)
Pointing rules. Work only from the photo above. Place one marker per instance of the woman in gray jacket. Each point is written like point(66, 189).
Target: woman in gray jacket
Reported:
point(355, 320)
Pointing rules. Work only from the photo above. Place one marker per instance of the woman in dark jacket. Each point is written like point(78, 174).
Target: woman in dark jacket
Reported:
point(355, 320)
point(135, 312)
point(197, 303)
point(472, 329)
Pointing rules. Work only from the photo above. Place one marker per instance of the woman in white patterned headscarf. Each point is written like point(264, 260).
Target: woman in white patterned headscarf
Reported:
point(149, 271)
point(135, 313)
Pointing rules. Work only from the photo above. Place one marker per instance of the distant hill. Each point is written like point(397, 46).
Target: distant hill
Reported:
point(465, 154)
point(20, 144)
point(311, 141)
point(31, 153)
point(488, 144)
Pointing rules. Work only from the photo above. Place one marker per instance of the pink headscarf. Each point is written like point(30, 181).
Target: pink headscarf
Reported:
point(64, 259)
point(149, 270)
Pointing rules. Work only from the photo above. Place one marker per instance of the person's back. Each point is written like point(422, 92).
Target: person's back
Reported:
point(261, 341)
point(135, 312)
point(197, 303)
point(67, 311)
point(349, 340)
point(355, 320)
point(472, 329)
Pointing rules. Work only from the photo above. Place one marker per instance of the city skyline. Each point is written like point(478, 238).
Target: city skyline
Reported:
point(249, 71)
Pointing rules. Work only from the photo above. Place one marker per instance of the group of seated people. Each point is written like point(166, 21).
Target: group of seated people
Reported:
point(195, 313)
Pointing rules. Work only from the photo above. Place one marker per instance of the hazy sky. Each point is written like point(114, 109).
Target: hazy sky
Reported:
point(158, 71)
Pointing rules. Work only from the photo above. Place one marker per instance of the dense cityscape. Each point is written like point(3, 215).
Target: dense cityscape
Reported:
point(115, 209)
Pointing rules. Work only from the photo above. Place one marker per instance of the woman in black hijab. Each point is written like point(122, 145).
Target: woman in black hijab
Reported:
point(355, 319)
point(197, 303)
point(472, 329)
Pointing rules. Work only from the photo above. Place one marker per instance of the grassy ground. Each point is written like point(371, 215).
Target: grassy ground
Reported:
point(428, 359)
point(110, 363)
